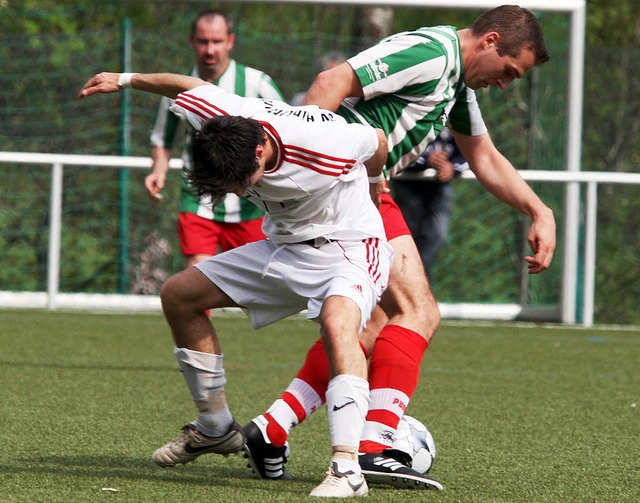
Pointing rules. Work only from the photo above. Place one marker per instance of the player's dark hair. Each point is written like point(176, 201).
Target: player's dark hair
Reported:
point(224, 155)
point(210, 14)
point(519, 28)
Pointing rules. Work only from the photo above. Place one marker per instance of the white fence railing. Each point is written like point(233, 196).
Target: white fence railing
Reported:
point(53, 299)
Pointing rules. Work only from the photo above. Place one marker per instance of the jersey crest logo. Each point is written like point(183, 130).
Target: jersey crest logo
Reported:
point(379, 69)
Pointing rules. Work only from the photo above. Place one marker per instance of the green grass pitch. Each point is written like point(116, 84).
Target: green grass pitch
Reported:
point(519, 413)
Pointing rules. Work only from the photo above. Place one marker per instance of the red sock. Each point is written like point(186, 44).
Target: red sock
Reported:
point(393, 377)
point(288, 410)
point(315, 370)
point(276, 433)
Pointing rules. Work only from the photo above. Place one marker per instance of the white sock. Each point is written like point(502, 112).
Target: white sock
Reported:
point(347, 405)
point(205, 378)
point(302, 396)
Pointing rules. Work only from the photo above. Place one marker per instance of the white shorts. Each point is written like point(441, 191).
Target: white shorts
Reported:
point(272, 281)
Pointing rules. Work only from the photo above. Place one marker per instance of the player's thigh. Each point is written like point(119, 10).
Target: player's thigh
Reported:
point(408, 300)
point(376, 323)
point(191, 289)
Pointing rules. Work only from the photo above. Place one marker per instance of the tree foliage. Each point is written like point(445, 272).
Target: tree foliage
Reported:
point(614, 24)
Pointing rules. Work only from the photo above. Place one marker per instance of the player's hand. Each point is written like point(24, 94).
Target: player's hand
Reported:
point(445, 172)
point(154, 184)
point(377, 189)
point(439, 160)
point(542, 239)
point(104, 82)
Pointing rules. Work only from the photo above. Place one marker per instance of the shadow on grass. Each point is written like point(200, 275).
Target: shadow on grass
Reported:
point(87, 366)
point(132, 468)
point(129, 368)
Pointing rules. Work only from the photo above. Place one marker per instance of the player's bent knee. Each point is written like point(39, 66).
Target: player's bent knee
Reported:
point(169, 297)
point(180, 293)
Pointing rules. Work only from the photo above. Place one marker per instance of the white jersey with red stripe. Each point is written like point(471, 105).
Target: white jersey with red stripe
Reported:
point(318, 187)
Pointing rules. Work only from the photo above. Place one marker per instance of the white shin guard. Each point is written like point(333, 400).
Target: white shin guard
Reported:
point(205, 378)
point(347, 405)
point(203, 372)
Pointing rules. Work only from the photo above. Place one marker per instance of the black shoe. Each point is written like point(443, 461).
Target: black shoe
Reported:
point(265, 459)
point(383, 468)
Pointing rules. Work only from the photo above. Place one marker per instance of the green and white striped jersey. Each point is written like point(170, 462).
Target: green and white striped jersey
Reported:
point(413, 86)
point(238, 79)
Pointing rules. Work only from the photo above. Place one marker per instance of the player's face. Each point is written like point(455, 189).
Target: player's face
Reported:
point(488, 68)
point(212, 44)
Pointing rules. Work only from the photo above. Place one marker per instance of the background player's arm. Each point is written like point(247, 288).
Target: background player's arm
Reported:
point(499, 177)
point(332, 86)
point(155, 181)
point(165, 84)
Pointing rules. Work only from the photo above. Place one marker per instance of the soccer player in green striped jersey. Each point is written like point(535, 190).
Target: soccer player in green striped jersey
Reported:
point(203, 228)
point(411, 85)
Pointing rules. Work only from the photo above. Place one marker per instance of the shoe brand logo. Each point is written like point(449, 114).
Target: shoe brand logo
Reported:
point(338, 407)
point(389, 463)
point(219, 445)
point(355, 487)
point(193, 449)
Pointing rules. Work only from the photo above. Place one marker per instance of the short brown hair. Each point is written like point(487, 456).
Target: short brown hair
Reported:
point(518, 28)
point(210, 14)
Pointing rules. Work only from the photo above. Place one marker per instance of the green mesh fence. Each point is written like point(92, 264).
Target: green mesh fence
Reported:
point(44, 69)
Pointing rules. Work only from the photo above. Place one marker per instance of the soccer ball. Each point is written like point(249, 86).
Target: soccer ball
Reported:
point(413, 438)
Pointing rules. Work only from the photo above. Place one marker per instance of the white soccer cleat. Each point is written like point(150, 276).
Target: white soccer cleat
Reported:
point(340, 484)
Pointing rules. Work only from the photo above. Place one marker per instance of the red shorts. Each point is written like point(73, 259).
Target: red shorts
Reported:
point(394, 223)
point(201, 236)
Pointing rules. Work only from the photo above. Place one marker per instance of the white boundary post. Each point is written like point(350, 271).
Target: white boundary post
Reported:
point(55, 233)
point(591, 225)
point(573, 156)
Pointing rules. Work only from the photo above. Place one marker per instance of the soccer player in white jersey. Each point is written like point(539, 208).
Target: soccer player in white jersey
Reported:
point(202, 228)
point(411, 85)
point(307, 169)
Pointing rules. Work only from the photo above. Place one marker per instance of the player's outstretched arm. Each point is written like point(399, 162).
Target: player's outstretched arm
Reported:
point(499, 177)
point(165, 84)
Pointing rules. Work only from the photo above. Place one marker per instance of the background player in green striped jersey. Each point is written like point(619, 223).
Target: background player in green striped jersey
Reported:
point(410, 85)
point(202, 228)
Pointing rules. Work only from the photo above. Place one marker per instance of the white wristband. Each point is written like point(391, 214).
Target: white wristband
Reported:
point(124, 81)
point(376, 179)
